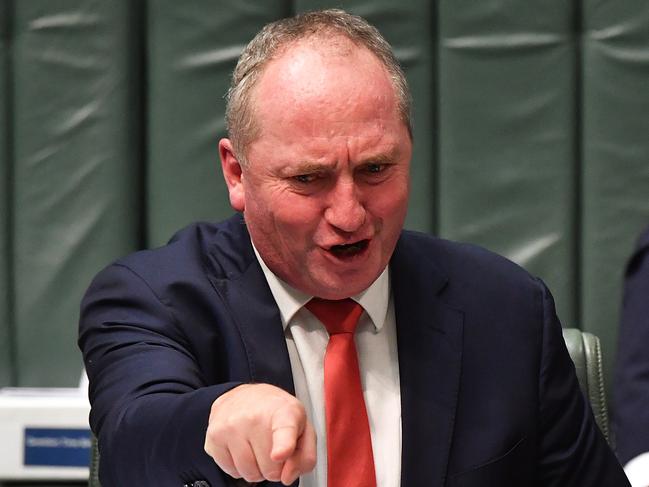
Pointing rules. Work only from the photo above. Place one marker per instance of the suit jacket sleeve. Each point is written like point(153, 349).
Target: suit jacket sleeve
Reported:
point(631, 407)
point(572, 450)
point(150, 401)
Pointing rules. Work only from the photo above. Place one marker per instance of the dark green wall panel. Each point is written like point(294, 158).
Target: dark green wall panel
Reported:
point(192, 48)
point(76, 171)
point(410, 27)
point(616, 155)
point(507, 125)
point(530, 139)
point(6, 341)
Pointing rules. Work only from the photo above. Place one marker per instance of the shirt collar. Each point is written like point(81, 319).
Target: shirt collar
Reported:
point(374, 299)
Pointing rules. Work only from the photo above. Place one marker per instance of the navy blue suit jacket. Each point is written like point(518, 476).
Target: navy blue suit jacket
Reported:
point(631, 407)
point(488, 391)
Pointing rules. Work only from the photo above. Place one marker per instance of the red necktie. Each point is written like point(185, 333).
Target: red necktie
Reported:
point(350, 462)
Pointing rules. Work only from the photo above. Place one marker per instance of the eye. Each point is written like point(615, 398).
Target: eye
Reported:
point(305, 178)
point(375, 168)
point(374, 172)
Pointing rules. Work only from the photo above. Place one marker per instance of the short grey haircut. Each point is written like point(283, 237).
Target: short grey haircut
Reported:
point(271, 42)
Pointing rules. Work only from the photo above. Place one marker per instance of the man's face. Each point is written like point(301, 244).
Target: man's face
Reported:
point(325, 193)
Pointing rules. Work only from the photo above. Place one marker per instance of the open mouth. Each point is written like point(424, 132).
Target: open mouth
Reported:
point(347, 250)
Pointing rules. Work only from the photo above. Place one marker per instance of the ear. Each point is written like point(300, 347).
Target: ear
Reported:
point(232, 173)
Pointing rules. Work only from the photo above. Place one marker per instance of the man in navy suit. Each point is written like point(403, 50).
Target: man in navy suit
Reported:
point(631, 407)
point(205, 365)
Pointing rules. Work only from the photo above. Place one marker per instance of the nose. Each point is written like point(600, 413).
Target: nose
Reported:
point(345, 211)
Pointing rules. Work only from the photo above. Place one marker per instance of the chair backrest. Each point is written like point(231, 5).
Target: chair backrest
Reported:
point(585, 351)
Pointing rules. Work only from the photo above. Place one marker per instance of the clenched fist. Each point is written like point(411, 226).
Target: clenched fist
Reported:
point(261, 432)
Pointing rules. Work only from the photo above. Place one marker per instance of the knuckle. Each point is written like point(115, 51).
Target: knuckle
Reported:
point(252, 476)
point(211, 440)
point(235, 423)
point(295, 409)
point(215, 429)
point(208, 448)
point(273, 474)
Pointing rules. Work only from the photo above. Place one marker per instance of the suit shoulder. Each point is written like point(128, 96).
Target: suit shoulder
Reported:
point(184, 250)
point(472, 274)
point(191, 251)
point(460, 258)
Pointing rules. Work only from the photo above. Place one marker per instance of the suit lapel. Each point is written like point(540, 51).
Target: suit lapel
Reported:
point(242, 286)
point(429, 335)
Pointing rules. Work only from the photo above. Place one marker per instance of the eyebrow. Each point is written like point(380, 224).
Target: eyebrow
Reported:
point(312, 167)
point(378, 159)
point(306, 167)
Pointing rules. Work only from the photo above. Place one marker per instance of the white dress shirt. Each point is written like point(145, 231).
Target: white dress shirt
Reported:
point(637, 469)
point(376, 344)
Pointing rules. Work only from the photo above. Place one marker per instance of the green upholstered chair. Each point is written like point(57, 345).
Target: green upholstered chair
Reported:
point(585, 352)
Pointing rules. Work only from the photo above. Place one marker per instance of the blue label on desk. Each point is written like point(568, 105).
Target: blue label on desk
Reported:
point(57, 447)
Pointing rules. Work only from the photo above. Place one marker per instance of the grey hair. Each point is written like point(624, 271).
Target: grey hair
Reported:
point(272, 40)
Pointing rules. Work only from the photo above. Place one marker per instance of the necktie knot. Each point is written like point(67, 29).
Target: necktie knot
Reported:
point(340, 316)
